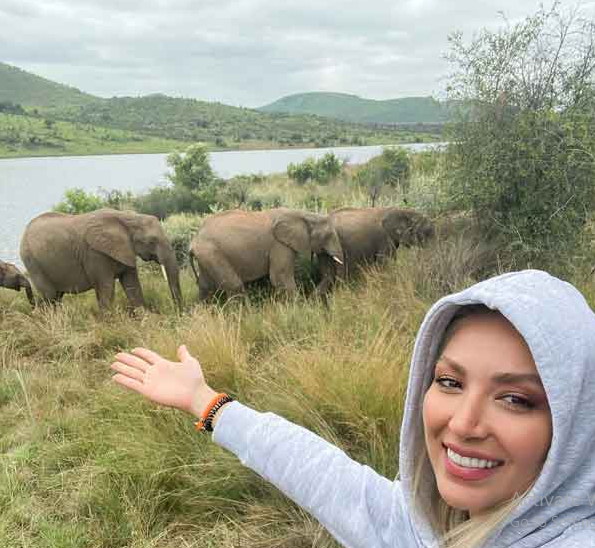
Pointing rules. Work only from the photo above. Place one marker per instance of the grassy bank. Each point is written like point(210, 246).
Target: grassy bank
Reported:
point(28, 136)
point(85, 464)
point(22, 136)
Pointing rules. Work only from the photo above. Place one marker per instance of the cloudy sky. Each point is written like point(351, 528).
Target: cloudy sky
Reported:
point(244, 52)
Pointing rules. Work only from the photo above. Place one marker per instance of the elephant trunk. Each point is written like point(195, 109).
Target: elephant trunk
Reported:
point(24, 282)
point(167, 258)
point(191, 259)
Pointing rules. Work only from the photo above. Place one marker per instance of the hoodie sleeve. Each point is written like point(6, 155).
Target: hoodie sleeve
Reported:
point(359, 507)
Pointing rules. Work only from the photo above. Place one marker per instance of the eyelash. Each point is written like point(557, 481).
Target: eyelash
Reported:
point(522, 403)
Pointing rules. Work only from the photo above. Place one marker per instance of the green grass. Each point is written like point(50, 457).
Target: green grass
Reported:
point(32, 136)
point(84, 463)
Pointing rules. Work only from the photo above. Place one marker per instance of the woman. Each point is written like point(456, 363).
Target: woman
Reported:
point(498, 435)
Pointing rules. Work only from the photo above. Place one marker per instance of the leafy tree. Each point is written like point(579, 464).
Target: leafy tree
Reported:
point(192, 169)
point(522, 152)
point(327, 168)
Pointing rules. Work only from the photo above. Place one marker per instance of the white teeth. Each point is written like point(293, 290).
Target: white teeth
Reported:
point(467, 462)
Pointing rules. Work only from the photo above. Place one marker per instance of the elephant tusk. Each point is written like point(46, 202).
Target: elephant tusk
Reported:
point(337, 260)
point(164, 273)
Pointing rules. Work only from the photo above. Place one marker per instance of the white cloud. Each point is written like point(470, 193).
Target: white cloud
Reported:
point(242, 52)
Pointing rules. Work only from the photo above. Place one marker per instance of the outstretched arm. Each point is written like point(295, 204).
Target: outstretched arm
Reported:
point(360, 508)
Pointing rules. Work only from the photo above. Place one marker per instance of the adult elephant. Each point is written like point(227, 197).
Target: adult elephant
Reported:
point(370, 234)
point(235, 247)
point(12, 278)
point(75, 253)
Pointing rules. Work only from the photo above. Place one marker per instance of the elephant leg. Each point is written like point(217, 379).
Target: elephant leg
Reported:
point(104, 291)
point(131, 286)
point(217, 273)
point(48, 293)
point(282, 267)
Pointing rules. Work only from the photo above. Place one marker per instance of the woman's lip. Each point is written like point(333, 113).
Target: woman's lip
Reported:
point(470, 454)
point(468, 474)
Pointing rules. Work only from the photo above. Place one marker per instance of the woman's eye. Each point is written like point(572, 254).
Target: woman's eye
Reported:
point(447, 382)
point(518, 401)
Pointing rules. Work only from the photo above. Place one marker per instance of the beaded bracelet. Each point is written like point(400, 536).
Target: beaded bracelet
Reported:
point(205, 423)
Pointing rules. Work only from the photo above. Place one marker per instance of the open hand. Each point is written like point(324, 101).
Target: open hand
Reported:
point(175, 384)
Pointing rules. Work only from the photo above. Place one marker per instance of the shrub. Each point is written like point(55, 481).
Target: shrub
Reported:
point(180, 228)
point(522, 152)
point(163, 201)
point(77, 200)
point(323, 170)
point(392, 168)
point(301, 173)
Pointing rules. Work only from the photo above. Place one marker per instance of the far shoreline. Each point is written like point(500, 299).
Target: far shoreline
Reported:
point(214, 149)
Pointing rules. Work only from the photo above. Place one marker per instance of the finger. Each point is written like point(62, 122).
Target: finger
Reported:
point(148, 355)
point(183, 353)
point(131, 372)
point(132, 361)
point(129, 383)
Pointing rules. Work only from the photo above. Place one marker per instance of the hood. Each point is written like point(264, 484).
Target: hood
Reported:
point(559, 328)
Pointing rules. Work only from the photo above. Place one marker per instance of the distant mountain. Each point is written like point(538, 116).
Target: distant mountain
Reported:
point(352, 108)
point(20, 87)
point(186, 120)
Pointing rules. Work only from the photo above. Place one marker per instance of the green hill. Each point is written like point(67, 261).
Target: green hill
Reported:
point(352, 108)
point(161, 119)
point(20, 87)
point(225, 126)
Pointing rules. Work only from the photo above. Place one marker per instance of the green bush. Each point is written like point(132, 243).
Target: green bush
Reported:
point(301, 173)
point(327, 168)
point(180, 228)
point(322, 171)
point(192, 169)
point(163, 201)
point(522, 152)
point(391, 168)
point(528, 179)
point(77, 200)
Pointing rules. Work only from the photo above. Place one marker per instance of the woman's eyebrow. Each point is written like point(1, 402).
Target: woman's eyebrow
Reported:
point(500, 378)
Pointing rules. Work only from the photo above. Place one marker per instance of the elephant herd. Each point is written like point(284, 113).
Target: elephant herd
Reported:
point(75, 253)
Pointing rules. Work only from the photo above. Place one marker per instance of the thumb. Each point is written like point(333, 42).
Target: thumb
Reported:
point(183, 353)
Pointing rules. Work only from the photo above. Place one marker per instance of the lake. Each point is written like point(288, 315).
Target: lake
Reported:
point(30, 186)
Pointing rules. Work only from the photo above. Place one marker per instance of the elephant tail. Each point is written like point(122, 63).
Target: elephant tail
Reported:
point(191, 256)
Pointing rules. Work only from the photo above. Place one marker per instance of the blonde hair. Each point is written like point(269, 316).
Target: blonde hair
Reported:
point(455, 527)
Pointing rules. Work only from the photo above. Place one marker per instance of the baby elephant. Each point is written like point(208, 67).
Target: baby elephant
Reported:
point(12, 278)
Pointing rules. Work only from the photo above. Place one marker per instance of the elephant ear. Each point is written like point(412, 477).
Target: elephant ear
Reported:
point(398, 224)
point(110, 237)
point(291, 229)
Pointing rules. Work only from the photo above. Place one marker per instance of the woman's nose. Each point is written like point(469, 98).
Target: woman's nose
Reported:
point(469, 418)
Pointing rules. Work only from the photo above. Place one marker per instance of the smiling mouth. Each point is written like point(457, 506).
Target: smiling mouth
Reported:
point(471, 463)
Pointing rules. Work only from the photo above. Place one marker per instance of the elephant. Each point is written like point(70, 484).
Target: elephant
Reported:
point(370, 234)
point(74, 253)
point(12, 278)
point(235, 247)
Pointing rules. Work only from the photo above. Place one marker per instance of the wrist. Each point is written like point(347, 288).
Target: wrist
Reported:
point(218, 415)
point(201, 399)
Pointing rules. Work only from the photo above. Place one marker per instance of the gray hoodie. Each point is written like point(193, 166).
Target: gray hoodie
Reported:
point(362, 509)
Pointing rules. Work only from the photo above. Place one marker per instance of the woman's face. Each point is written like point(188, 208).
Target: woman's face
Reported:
point(487, 421)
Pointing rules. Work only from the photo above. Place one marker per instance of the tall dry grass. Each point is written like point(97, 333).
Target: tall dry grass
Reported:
point(85, 464)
